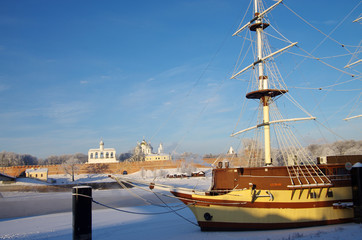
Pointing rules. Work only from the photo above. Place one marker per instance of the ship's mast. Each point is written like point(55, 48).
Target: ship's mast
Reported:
point(266, 90)
point(263, 83)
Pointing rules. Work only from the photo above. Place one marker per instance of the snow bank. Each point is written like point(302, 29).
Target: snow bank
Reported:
point(110, 224)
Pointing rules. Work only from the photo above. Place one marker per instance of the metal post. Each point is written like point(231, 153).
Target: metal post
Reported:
point(82, 213)
point(356, 178)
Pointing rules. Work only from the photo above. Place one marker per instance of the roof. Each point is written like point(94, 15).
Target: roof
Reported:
point(32, 170)
point(104, 150)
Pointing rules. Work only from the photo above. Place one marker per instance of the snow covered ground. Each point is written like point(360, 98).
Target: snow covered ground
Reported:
point(49, 216)
point(110, 224)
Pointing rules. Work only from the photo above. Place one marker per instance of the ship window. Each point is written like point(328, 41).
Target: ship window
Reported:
point(329, 193)
point(313, 195)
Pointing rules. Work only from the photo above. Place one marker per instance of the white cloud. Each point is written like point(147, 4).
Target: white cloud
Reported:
point(71, 112)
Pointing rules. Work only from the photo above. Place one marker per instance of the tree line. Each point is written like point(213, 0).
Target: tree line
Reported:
point(348, 147)
point(8, 159)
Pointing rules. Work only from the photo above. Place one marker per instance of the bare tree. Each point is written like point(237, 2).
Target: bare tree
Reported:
point(137, 157)
point(143, 173)
point(341, 147)
point(71, 167)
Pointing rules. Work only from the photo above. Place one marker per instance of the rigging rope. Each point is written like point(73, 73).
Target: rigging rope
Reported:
point(132, 212)
point(332, 85)
point(139, 213)
point(355, 106)
point(336, 56)
point(194, 86)
point(137, 196)
point(175, 211)
point(327, 64)
point(330, 130)
point(354, 55)
point(327, 36)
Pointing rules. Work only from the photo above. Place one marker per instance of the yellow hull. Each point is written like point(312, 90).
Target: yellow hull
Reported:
point(263, 209)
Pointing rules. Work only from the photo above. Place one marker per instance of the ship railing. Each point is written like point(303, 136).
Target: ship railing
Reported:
point(340, 177)
point(307, 175)
point(313, 185)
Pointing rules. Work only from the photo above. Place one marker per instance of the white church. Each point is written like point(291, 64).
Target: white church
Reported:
point(102, 155)
point(146, 149)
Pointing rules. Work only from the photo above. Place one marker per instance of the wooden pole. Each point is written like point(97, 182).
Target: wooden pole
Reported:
point(82, 213)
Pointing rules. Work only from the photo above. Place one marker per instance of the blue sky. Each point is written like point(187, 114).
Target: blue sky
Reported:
point(75, 72)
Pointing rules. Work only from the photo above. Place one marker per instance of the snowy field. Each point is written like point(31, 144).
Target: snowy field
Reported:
point(31, 215)
point(110, 224)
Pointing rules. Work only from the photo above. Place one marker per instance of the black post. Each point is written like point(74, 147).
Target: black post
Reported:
point(82, 213)
point(357, 191)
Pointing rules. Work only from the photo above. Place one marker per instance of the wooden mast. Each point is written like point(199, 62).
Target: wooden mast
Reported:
point(263, 92)
point(263, 83)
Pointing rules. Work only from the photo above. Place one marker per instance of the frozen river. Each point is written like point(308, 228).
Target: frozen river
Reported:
point(35, 219)
point(40, 216)
point(24, 204)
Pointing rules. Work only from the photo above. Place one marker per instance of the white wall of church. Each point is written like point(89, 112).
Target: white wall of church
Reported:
point(157, 157)
point(102, 155)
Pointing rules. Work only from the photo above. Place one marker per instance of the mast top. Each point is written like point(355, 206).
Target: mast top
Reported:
point(265, 92)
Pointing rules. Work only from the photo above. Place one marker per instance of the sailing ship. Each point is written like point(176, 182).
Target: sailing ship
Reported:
point(287, 189)
point(300, 193)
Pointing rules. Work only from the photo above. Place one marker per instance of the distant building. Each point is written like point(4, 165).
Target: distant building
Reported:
point(145, 148)
point(231, 151)
point(102, 155)
point(40, 173)
point(292, 160)
point(157, 157)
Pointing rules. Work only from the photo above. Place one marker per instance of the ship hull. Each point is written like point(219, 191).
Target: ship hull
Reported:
point(218, 213)
point(275, 207)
